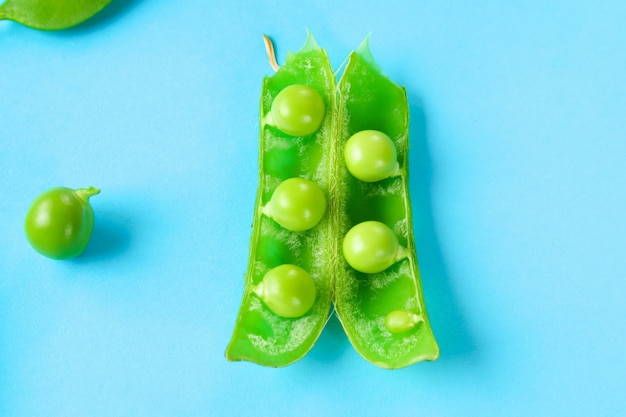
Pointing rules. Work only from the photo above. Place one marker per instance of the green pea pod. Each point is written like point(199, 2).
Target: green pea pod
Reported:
point(288, 288)
point(339, 155)
point(50, 14)
point(382, 309)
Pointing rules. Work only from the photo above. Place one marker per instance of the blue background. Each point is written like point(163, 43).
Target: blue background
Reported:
point(517, 180)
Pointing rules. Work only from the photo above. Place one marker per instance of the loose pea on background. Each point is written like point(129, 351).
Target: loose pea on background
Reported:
point(60, 221)
point(516, 180)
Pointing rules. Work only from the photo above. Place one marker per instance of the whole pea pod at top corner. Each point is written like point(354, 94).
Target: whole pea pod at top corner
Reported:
point(378, 292)
point(288, 282)
point(50, 14)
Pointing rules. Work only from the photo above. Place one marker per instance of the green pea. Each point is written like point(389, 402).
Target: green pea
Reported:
point(60, 221)
point(371, 247)
point(370, 156)
point(287, 290)
point(400, 321)
point(298, 110)
point(297, 204)
point(50, 14)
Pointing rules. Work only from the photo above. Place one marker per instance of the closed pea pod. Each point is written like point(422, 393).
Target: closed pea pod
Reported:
point(50, 14)
point(287, 285)
point(378, 295)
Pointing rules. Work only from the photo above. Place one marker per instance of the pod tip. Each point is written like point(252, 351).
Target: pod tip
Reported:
point(311, 43)
point(364, 51)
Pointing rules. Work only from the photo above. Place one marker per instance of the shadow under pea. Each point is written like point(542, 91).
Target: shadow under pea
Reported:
point(111, 236)
point(447, 320)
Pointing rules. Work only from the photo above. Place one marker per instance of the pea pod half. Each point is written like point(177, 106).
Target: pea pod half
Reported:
point(50, 14)
point(378, 296)
point(288, 288)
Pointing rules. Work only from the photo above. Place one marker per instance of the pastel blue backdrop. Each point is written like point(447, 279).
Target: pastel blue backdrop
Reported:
point(518, 187)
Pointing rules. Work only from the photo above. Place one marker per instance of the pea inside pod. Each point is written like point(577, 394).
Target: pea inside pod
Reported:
point(372, 247)
point(298, 110)
point(287, 290)
point(370, 156)
point(297, 204)
point(399, 321)
point(50, 14)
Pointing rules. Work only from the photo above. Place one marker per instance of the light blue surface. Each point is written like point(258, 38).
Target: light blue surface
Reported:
point(518, 185)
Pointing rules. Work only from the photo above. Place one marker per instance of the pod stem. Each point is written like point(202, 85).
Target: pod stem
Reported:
point(402, 253)
point(267, 210)
point(397, 172)
point(86, 193)
point(268, 120)
point(271, 54)
point(259, 290)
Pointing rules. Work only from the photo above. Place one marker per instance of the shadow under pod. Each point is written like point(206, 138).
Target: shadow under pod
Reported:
point(447, 319)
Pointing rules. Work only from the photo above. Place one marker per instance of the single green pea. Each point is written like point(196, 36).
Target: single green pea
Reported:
point(50, 14)
point(297, 204)
point(372, 247)
point(298, 110)
point(60, 221)
point(400, 321)
point(287, 290)
point(371, 156)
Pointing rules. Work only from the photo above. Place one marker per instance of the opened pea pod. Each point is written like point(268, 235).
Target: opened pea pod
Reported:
point(288, 288)
point(333, 216)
